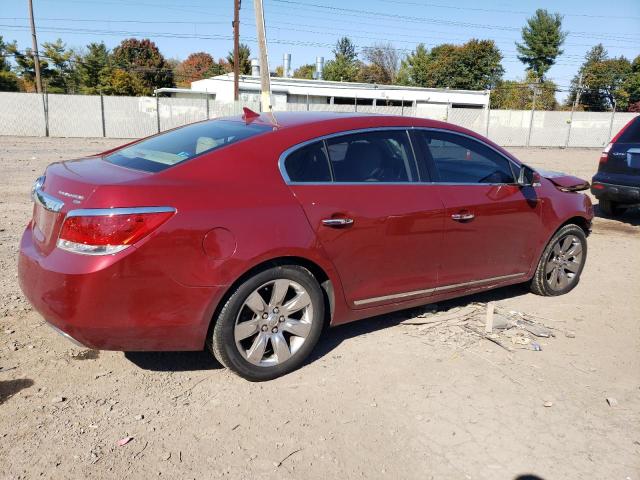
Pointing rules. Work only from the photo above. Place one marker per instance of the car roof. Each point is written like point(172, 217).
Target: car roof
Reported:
point(343, 121)
point(297, 119)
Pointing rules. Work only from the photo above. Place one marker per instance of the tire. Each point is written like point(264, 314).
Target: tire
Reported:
point(561, 263)
point(259, 356)
point(611, 209)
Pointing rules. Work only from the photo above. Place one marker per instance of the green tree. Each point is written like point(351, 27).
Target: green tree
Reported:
point(605, 82)
point(121, 82)
point(219, 68)
point(588, 96)
point(474, 65)
point(8, 79)
point(141, 58)
point(25, 66)
point(632, 86)
point(542, 38)
point(305, 71)
point(519, 95)
point(92, 67)
point(59, 75)
point(344, 67)
point(244, 57)
point(414, 68)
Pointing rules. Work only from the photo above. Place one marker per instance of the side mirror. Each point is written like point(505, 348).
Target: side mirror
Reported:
point(528, 177)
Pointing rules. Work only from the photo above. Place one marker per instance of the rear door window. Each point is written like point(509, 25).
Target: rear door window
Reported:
point(171, 148)
point(459, 159)
point(377, 156)
point(308, 164)
point(631, 133)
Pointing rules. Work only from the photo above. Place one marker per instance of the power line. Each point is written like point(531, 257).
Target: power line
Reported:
point(498, 10)
point(414, 19)
point(277, 26)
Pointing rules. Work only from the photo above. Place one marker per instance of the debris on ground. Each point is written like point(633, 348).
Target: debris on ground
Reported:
point(463, 326)
point(123, 441)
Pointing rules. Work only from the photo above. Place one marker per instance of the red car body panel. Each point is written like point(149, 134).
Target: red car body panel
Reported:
point(235, 212)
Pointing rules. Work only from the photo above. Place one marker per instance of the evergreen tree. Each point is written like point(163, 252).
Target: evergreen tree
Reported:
point(92, 67)
point(244, 57)
point(344, 67)
point(542, 38)
point(8, 79)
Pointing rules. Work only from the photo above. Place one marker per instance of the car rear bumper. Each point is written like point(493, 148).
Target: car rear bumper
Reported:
point(114, 303)
point(615, 193)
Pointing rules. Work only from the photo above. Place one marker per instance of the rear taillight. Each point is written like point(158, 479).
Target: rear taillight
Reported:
point(604, 156)
point(109, 231)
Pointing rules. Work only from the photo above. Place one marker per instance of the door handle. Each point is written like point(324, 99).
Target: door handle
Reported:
point(463, 217)
point(337, 222)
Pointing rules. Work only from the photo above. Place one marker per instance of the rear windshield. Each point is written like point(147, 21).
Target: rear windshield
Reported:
point(632, 133)
point(170, 148)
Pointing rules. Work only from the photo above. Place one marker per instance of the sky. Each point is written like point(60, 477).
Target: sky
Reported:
point(310, 28)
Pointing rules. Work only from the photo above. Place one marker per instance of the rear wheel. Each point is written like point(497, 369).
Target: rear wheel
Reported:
point(270, 323)
point(561, 263)
point(611, 209)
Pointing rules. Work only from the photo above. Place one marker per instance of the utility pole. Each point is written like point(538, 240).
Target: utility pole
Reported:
point(265, 81)
point(34, 53)
point(533, 108)
point(236, 49)
point(576, 102)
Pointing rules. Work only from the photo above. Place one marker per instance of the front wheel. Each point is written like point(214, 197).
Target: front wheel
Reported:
point(561, 263)
point(270, 323)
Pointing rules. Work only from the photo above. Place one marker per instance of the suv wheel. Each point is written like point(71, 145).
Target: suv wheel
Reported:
point(611, 209)
point(270, 323)
point(561, 263)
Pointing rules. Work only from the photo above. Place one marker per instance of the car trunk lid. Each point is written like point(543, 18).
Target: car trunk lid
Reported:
point(68, 186)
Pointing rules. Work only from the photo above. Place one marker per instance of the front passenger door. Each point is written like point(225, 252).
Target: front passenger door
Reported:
point(490, 225)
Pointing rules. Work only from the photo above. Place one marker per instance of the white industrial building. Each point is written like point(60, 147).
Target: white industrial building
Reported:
point(302, 94)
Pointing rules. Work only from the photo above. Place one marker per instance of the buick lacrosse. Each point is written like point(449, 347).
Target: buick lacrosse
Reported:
point(249, 235)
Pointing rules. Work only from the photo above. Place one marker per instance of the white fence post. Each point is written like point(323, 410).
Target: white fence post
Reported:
point(158, 112)
point(566, 143)
point(104, 128)
point(613, 114)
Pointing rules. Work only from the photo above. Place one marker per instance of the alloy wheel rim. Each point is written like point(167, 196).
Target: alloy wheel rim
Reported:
point(273, 322)
point(564, 262)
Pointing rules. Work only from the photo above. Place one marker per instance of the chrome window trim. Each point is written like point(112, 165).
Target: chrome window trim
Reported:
point(96, 212)
point(323, 138)
point(442, 288)
point(47, 201)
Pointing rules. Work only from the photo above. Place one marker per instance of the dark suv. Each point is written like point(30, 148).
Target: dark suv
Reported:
point(617, 183)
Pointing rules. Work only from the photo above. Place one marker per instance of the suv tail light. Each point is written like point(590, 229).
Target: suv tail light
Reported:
point(605, 153)
point(109, 231)
point(604, 156)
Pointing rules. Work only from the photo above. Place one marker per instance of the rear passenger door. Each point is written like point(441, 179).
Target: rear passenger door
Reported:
point(491, 224)
point(361, 194)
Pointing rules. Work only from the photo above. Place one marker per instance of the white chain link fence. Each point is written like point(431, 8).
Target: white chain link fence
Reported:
point(31, 114)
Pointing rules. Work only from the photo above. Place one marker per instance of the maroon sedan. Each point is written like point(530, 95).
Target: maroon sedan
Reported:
point(250, 234)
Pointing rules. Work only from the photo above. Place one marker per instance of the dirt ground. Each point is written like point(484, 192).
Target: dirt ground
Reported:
point(379, 399)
